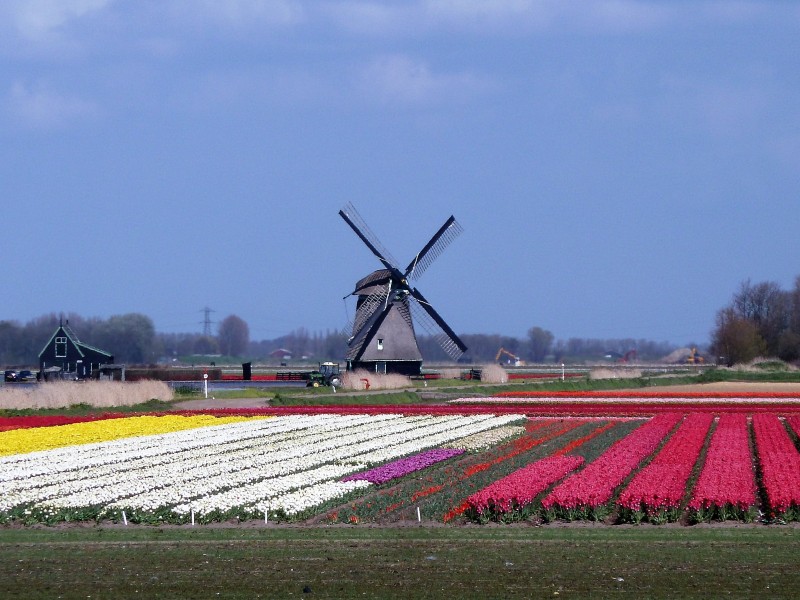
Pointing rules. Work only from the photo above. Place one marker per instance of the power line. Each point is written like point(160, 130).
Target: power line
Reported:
point(206, 320)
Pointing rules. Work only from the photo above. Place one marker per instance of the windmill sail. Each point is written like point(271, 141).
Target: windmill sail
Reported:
point(357, 224)
point(425, 316)
point(438, 243)
point(367, 307)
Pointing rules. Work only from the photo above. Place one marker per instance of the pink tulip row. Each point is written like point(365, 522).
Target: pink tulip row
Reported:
point(662, 484)
point(594, 485)
point(521, 487)
point(780, 464)
point(727, 478)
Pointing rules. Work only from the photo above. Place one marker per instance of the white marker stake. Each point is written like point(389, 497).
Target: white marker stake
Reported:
point(562, 371)
point(266, 515)
point(192, 517)
point(124, 518)
point(419, 516)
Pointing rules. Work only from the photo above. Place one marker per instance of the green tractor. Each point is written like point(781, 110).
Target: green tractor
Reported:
point(328, 374)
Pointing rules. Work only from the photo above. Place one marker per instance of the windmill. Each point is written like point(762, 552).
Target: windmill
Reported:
point(388, 308)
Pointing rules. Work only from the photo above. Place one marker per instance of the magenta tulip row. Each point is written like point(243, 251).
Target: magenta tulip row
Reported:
point(780, 464)
point(594, 485)
point(520, 488)
point(662, 484)
point(727, 478)
point(726, 486)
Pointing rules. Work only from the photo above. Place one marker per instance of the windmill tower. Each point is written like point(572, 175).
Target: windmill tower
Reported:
point(388, 308)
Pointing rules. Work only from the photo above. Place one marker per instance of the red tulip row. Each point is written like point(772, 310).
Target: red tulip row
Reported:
point(519, 489)
point(626, 407)
point(780, 464)
point(727, 482)
point(534, 408)
point(594, 485)
point(9, 423)
point(661, 485)
point(643, 394)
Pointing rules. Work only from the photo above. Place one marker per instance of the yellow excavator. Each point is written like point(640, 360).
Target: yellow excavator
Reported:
point(512, 358)
point(695, 358)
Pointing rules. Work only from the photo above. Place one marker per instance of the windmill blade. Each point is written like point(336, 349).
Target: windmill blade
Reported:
point(366, 331)
point(357, 224)
point(437, 244)
point(425, 315)
point(376, 301)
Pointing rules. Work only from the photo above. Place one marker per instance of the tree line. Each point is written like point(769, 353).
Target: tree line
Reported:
point(132, 339)
point(761, 320)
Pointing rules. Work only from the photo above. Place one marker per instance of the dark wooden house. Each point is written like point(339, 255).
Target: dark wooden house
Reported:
point(65, 356)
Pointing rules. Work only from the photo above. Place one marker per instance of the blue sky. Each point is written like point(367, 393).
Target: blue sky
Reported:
point(618, 167)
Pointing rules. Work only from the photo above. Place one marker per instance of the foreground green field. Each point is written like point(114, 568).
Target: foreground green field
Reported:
point(405, 562)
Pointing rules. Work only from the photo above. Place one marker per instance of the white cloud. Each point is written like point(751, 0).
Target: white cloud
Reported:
point(477, 12)
point(606, 17)
point(236, 89)
point(41, 108)
point(397, 79)
point(36, 20)
point(239, 14)
point(487, 17)
point(733, 11)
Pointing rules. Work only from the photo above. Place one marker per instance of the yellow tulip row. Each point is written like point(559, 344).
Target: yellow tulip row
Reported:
point(20, 441)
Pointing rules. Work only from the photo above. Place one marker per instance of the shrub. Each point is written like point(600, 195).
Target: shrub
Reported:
point(98, 394)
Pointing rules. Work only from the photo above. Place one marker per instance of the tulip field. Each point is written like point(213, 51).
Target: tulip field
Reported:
point(605, 457)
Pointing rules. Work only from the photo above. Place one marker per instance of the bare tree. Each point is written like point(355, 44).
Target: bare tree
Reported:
point(131, 338)
point(766, 306)
point(735, 338)
point(539, 343)
point(233, 336)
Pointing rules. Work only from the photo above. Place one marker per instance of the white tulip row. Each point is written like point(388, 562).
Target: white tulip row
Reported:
point(484, 439)
point(132, 462)
point(290, 463)
point(201, 451)
point(23, 466)
point(349, 459)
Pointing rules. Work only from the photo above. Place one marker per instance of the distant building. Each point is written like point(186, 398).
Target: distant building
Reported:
point(65, 356)
point(281, 354)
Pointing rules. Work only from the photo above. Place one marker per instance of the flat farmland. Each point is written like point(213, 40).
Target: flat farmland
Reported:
point(674, 493)
point(401, 562)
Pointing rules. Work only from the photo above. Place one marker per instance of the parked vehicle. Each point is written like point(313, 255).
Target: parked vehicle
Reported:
point(10, 375)
point(26, 375)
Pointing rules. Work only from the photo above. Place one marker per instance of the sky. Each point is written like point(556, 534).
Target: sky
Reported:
point(619, 168)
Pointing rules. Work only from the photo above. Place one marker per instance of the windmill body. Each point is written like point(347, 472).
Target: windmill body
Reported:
point(383, 338)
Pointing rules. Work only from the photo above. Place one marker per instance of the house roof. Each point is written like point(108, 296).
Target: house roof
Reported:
point(67, 332)
point(281, 352)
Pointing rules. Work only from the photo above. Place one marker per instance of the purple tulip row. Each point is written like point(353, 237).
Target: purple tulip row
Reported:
point(404, 466)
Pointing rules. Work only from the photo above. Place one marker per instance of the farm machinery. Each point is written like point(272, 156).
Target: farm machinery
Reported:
point(327, 374)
